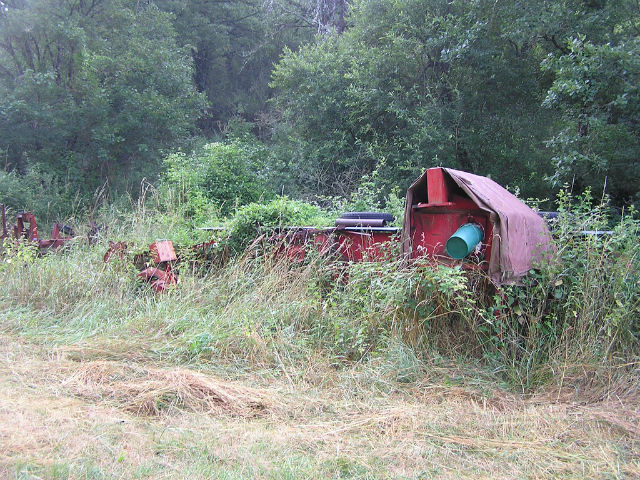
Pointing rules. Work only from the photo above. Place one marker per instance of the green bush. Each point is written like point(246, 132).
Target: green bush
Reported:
point(254, 219)
point(368, 305)
point(579, 309)
point(38, 192)
point(224, 175)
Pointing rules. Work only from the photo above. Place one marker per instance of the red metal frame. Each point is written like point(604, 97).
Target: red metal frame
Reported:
point(354, 244)
point(5, 233)
point(160, 276)
point(364, 244)
point(432, 221)
point(435, 218)
point(26, 228)
point(437, 191)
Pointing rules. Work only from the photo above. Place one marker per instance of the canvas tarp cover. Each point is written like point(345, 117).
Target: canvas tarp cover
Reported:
point(520, 235)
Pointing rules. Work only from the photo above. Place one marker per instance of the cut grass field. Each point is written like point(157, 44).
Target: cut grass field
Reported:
point(257, 371)
point(103, 409)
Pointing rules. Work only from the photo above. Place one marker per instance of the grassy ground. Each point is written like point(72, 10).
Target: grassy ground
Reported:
point(227, 377)
point(101, 409)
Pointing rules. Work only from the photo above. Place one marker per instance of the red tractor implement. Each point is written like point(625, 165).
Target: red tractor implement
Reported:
point(27, 229)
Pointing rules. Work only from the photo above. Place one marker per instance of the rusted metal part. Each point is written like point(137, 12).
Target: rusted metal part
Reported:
point(353, 244)
point(433, 222)
point(160, 276)
point(439, 202)
point(293, 242)
point(5, 233)
point(28, 231)
point(159, 279)
point(162, 251)
point(117, 249)
point(57, 239)
point(26, 228)
point(204, 246)
point(366, 244)
point(364, 222)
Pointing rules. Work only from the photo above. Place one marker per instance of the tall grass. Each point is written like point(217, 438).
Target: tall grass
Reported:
point(574, 321)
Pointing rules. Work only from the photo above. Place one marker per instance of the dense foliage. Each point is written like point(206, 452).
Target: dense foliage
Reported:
point(222, 175)
point(92, 91)
point(334, 97)
point(506, 89)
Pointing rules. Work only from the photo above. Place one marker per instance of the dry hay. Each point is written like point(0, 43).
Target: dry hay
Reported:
point(150, 391)
point(614, 401)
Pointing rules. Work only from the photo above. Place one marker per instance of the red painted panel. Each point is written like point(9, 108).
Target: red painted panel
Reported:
point(437, 191)
point(433, 227)
point(359, 246)
point(163, 251)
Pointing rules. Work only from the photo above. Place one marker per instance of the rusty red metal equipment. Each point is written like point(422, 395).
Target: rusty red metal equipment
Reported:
point(458, 217)
point(158, 270)
point(446, 209)
point(117, 249)
point(359, 244)
point(26, 228)
point(160, 276)
point(452, 217)
point(353, 240)
point(5, 233)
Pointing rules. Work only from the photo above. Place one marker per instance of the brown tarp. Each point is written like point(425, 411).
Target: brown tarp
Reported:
point(520, 237)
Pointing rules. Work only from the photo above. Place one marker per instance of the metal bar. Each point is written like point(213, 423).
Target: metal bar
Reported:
point(437, 192)
point(357, 222)
point(5, 232)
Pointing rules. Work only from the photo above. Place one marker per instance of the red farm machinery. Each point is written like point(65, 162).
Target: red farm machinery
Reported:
point(26, 228)
point(451, 217)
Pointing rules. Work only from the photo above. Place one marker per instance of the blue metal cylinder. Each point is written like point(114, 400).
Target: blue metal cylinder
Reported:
point(462, 243)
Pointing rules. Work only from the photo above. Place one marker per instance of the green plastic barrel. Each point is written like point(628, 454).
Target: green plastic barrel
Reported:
point(462, 243)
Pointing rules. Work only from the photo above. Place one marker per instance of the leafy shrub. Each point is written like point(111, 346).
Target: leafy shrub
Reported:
point(580, 307)
point(37, 192)
point(224, 174)
point(16, 254)
point(376, 301)
point(255, 219)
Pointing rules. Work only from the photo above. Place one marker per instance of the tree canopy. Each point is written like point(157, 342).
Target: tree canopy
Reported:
point(337, 95)
point(92, 89)
point(497, 88)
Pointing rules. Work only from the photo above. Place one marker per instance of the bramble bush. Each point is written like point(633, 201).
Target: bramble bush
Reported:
point(579, 309)
point(255, 219)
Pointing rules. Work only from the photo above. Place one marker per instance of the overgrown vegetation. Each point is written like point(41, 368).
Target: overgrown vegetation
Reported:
point(256, 343)
point(577, 312)
point(187, 120)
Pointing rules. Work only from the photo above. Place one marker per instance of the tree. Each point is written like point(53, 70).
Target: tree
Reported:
point(92, 89)
point(234, 45)
point(595, 89)
point(413, 84)
point(417, 83)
